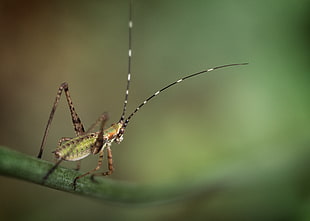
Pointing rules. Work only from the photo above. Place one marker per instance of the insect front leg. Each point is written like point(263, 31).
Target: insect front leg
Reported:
point(110, 165)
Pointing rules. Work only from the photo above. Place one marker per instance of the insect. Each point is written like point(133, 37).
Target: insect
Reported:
point(89, 142)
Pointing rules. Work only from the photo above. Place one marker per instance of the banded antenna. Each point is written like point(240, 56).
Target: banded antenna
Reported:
point(85, 143)
point(171, 84)
point(129, 62)
point(122, 119)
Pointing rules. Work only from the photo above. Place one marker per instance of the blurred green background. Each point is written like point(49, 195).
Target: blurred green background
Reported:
point(245, 128)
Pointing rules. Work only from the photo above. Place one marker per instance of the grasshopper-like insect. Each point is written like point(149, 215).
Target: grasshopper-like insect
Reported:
point(88, 142)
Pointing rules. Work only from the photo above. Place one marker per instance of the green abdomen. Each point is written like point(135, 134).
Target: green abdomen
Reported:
point(77, 148)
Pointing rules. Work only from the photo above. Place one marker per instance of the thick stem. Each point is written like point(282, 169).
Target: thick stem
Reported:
point(31, 169)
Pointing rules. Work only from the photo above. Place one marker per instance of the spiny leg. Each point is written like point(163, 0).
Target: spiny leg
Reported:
point(97, 146)
point(78, 126)
point(99, 141)
point(103, 117)
point(91, 171)
point(110, 165)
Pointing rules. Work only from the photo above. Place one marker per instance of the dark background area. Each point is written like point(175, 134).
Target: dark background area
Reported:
point(246, 127)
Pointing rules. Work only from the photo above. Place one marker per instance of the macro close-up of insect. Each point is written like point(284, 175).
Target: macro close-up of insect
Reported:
point(89, 142)
point(154, 110)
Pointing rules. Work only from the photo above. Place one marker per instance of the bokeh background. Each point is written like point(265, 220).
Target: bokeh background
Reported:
point(245, 127)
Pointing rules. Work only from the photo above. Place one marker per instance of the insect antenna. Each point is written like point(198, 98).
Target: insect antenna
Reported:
point(171, 84)
point(129, 63)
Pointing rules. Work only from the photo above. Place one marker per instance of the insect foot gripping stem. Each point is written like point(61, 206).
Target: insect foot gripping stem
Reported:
point(110, 167)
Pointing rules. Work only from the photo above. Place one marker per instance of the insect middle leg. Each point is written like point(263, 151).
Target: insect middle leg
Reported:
point(91, 171)
point(110, 165)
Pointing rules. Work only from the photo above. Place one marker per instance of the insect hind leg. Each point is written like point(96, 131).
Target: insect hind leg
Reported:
point(91, 171)
point(78, 126)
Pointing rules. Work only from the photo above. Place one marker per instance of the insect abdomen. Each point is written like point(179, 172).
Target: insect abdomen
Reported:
point(76, 148)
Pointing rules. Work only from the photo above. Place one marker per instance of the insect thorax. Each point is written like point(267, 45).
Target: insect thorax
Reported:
point(114, 133)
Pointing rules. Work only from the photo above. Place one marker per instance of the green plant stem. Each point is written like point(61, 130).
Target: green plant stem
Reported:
point(21, 166)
